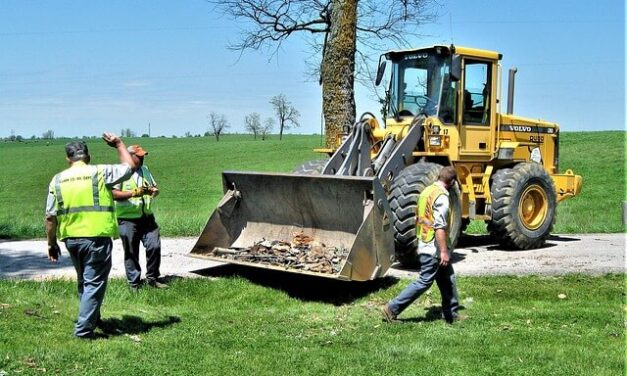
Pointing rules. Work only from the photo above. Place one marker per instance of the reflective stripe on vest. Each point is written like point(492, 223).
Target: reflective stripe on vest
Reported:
point(135, 207)
point(426, 219)
point(84, 204)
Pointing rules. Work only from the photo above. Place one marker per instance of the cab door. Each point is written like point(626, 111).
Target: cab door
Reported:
point(477, 116)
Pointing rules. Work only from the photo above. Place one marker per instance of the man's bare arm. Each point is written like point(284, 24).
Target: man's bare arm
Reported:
point(442, 243)
point(51, 234)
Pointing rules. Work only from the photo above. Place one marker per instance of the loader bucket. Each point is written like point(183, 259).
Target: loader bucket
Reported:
point(351, 214)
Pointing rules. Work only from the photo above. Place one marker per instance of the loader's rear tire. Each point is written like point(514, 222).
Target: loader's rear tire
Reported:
point(523, 206)
point(314, 167)
point(405, 191)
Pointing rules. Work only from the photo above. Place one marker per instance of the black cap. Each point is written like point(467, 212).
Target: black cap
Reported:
point(76, 150)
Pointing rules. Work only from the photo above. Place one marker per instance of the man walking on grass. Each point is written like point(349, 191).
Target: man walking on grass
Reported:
point(80, 212)
point(433, 250)
point(136, 221)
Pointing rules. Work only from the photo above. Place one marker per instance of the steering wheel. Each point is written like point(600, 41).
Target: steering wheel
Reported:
point(425, 98)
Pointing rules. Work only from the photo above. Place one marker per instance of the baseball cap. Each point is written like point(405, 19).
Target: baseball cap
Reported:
point(137, 150)
point(76, 150)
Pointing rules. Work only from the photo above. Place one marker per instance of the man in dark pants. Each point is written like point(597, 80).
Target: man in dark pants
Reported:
point(136, 222)
point(80, 212)
point(434, 251)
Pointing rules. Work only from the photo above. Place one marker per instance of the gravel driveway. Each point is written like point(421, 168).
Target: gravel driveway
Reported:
point(563, 254)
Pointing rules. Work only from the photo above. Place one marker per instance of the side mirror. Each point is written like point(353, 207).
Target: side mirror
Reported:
point(380, 72)
point(456, 68)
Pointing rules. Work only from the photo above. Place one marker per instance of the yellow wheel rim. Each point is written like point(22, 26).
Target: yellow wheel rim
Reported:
point(533, 207)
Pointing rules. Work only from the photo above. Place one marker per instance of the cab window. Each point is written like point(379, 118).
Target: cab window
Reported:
point(476, 103)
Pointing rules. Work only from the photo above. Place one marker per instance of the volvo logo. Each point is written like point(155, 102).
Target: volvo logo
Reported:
point(521, 128)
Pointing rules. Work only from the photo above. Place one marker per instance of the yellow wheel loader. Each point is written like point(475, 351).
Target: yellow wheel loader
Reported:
point(442, 107)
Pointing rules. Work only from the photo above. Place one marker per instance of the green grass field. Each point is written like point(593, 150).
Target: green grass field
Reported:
point(282, 325)
point(188, 172)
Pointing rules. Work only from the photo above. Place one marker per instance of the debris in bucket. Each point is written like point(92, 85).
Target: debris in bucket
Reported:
point(303, 253)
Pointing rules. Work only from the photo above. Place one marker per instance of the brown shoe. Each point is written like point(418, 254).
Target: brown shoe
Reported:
point(388, 315)
point(157, 284)
point(456, 318)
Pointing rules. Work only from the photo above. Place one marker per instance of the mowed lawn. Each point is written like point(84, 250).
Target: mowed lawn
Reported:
point(188, 171)
point(257, 323)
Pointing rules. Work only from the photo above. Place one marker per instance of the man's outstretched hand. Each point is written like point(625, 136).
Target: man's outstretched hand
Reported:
point(111, 139)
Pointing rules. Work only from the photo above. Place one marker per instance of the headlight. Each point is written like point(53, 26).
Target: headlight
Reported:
point(435, 129)
point(435, 141)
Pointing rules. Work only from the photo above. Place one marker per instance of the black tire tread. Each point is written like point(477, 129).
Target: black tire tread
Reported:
point(403, 198)
point(507, 186)
point(313, 167)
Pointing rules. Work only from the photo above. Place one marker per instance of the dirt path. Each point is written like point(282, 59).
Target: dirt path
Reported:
point(563, 254)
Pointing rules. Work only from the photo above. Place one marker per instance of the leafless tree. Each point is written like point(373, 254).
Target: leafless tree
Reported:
point(218, 124)
point(48, 135)
point(286, 114)
point(341, 32)
point(253, 124)
point(268, 124)
point(127, 132)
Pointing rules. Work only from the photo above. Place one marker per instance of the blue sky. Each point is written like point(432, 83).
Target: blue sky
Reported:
point(83, 67)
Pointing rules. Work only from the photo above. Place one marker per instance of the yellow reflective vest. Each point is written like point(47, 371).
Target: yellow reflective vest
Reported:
point(85, 205)
point(426, 232)
point(135, 207)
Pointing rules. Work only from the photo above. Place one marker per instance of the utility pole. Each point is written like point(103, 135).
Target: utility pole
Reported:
point(149, 135)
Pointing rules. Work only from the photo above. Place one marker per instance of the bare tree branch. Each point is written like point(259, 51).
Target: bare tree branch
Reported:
point(218, 124)
point(287, 114)
point(342, 36)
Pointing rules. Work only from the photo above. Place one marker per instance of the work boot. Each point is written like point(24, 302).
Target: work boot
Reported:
point(388, 315)
point(454, 318)
point(156, 284)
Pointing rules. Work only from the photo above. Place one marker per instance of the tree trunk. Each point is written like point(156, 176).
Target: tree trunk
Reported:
point(338, 70)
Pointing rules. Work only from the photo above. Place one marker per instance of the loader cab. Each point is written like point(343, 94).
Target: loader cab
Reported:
point(454, 86)
point(421, 84)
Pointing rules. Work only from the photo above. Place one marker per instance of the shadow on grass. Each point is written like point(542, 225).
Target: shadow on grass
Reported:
point(133, 325)
point(300, 286)
point(434, 313)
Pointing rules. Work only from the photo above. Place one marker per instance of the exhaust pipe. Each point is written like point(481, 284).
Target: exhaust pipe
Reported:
point(510, 90)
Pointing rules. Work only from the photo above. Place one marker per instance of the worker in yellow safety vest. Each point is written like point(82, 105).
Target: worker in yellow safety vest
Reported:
point(136, 222)
point(80, 212)
point(434, 251)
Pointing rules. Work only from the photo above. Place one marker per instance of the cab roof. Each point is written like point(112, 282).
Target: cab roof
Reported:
point(466, 51)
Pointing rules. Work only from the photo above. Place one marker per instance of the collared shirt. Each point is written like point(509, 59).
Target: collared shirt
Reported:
point(440, 215)
point(112, 174)
point(140, 176)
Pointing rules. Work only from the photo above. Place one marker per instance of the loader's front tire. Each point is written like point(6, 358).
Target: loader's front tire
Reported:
point(405, 191)
point(314, 167)
point(523, 206)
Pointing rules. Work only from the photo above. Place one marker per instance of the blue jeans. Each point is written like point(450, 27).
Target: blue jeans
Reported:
point(92, 260)
point(132, 231)
point(430, 271)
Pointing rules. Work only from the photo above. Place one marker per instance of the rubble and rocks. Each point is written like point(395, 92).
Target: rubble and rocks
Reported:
point(303, 253)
